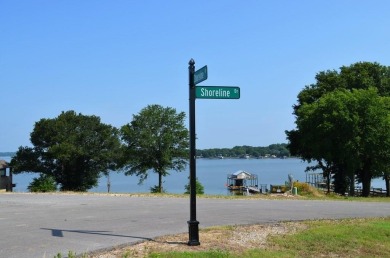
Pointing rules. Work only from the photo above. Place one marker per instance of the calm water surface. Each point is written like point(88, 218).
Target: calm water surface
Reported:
point(212, 173)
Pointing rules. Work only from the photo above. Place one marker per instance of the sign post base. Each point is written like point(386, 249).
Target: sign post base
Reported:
point(193, 231)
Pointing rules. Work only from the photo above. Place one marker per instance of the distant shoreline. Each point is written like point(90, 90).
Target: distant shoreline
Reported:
point(7, 154)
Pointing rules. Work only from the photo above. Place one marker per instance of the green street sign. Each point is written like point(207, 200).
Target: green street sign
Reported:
point(200, 75)
point(217, 92)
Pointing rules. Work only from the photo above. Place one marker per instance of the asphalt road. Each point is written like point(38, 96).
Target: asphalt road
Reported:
point(43, 225)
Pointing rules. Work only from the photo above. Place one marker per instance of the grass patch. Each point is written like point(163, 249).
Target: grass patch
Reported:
point(322, 238)
point(201, 254)
point(338, 238)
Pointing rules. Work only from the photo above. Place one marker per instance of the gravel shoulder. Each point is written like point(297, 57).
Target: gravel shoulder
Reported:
point(234, 239)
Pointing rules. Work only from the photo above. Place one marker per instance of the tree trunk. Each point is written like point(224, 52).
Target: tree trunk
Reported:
point(108, 182)
point(366, 182)
point(160, 189)
point(352, 185)
point(328, 181)
point(387, 181)
point(340, 180)
point(366, 177)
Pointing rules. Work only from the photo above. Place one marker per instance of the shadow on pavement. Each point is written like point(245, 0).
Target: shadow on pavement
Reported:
point(60, 233)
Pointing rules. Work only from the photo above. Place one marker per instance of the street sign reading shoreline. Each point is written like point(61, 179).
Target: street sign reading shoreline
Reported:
point(200, 75)
point(217, 92)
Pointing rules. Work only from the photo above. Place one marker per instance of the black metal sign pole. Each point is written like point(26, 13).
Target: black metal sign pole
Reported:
point(193, 224)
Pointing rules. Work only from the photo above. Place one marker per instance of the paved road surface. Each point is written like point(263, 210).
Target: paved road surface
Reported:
point(43, 225)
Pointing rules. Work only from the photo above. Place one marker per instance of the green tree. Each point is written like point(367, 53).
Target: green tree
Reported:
point(73, 148)
point(342, 123)
point(156, 139)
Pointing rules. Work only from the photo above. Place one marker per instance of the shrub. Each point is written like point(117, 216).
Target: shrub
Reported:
point(306, 189)
point(199, 188)
point(156, 189)
point(44, 183)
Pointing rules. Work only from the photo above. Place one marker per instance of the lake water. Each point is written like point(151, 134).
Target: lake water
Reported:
point(212, 173)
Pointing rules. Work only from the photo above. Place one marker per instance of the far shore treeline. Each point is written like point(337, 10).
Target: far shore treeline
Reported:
point(274, 150)
point(7, 154)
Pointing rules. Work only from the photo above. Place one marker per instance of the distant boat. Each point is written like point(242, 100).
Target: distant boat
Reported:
point(220, 156)
point(246, 156)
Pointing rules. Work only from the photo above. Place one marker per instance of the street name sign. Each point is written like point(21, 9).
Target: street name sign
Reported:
point(200, 75)
point(217, 92)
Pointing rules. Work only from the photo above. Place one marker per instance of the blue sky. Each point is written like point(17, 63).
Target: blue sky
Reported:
point(113, 58)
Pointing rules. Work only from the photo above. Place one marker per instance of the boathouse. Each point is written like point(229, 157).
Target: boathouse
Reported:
point(5, 177)
point(241, 180)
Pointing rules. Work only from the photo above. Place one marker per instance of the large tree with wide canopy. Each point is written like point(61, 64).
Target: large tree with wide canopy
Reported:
point(74, 149)
point(343, 123)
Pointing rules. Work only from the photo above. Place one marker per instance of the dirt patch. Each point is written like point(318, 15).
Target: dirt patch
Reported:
point(234, 239)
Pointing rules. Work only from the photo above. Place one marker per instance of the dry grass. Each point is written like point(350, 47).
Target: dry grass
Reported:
point(233, 239)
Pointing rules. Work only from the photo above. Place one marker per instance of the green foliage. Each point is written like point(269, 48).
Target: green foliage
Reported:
point(341, 238)
point(279, 150)
point(306, 189)
point(343, 123)
point(71, 254)
point(199, 187)
point(157, 189)
point(157, 140)
point(302, 187)
point(44, 183)
point(73, 148)
point(200, 254)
